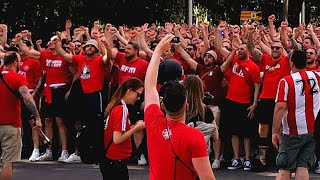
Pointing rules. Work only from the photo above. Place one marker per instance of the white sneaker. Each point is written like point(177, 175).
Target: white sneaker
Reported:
point(73, 158)
point(45, 157)
point(142, 160)
point(63, 157)
point(34, 156)
point(317, 170)
point(215, 164)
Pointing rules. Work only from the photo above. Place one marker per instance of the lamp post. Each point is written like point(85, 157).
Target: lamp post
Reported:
point(190, 7)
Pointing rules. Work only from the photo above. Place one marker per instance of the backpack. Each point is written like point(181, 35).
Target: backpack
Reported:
point(207, 129)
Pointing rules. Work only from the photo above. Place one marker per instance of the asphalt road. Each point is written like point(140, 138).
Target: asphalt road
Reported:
point(25, 170)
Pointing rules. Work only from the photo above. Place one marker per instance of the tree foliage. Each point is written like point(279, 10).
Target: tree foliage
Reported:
point(44, 17)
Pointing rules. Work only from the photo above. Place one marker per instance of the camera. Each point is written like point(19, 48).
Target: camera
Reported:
point(175, 40)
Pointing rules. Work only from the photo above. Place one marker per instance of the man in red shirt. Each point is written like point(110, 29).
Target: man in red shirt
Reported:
point(297, 105)
point(312, 57)
point(31, 69)
point(173, 153)
point(274, 66)
point(10, 112)
point(241, 102)
point(92, 68)
point(53, 106)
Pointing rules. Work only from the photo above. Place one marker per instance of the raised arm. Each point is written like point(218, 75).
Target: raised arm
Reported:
point(176, 30)
point(68, 27)
point(4, 34)
point(108, 56)
point(143, 44)
point(226, 64)
point(121, 38)
point(24, 48)
point(151, 93)
point(257, 55)
point(313, 36)
point(109, 34)
point(218, 44)
point(66, 56)
point(192, 63)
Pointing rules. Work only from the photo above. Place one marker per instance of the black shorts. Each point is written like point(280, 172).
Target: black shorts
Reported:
point(236, 119)
point(57, 108)
point(25, 113)
point(265, 111)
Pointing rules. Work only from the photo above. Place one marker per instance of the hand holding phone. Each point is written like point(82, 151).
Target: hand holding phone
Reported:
point(175, 40)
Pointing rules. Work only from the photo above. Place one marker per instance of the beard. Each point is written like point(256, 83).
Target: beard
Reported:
point(129, 57)
point(310, 61)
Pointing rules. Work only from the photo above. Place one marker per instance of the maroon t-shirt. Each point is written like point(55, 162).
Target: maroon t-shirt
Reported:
point(212, 78)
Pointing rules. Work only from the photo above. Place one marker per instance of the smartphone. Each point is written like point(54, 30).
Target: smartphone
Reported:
point(222, 33)
point(175, 40)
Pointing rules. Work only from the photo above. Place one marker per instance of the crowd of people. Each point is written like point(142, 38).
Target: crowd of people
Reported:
point(185, 99)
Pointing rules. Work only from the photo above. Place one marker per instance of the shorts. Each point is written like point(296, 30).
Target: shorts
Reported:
point(236, 119)
point(10, 143)
point(265, 111)
point(57, 108)
point(296, 151)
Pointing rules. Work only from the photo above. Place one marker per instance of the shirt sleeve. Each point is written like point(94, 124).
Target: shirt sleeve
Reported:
point(119, 56)
point(120, 118)
point(198, 144)
point(75, 59)
point(152, 113)
point(282, 92)
point(255, 74)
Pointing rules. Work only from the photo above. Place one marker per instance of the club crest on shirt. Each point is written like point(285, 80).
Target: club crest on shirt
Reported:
point(85, 72)
point(26, 68)
point(210, 73)
point(166, 133)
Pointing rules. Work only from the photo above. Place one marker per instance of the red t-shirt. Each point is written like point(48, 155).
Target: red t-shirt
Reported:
point(134, 68)
point(314, 68)
point(186, 141)
point(244, 73)
point(118, 120)
point(10, 104)
point(91, 72)
point(272, 75)
point(57, 69)
point(31, 69)
point(212, 79)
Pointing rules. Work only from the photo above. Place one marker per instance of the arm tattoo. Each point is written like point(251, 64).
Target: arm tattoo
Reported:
point(250, 42)
point(251, 47)
point(294, 43)
point(28, 101)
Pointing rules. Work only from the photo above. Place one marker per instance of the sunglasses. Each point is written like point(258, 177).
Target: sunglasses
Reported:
point(275, 47)
point(138, 94)
point(79, 45)
point(207, 55)
point(189, 49)
point(309, 53)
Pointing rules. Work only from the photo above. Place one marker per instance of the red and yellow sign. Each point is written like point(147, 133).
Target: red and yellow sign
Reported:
point(251, 15)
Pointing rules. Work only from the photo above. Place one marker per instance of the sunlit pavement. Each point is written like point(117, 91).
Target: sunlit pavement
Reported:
point(51, 170)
